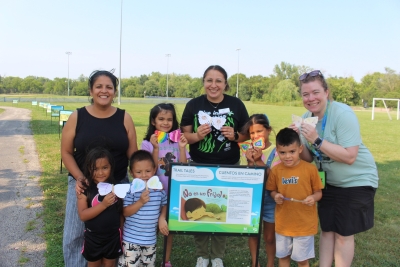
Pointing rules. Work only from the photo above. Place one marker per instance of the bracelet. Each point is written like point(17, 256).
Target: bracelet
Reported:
point(320, 144)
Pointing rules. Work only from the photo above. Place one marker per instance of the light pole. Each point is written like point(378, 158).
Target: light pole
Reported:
point(168, 56)
point(237, 76)
point(68, 53)
point(120, 48)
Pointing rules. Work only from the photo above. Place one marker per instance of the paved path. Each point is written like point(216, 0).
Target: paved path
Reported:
point(20, 194)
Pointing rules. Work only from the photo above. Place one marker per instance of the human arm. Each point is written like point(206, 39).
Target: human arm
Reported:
point(67, 153)
point(131, 132)
point(162, 222)
point(201, 133)
point(336, 152)
point(131, 209)
point(253, 156)
point(156, 148)
point(85, 213)
point(278, 197)
point(311, 199)
point(182, 149)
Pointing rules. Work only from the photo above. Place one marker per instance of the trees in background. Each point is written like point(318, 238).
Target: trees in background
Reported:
point(279, 87)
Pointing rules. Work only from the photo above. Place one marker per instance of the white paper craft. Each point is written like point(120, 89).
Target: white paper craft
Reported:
point(138, 184)
point(218, 122)
point(204, 118)
point(298, 120)
point(119, 189)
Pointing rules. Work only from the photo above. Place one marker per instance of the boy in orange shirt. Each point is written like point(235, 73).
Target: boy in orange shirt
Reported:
point(295, 186)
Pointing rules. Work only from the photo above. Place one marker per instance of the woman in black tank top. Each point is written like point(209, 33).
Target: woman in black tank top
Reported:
point(99, 124)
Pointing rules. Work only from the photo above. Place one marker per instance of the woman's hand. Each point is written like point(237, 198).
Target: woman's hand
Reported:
point(228, 132)
point(80, 185)
point(203, 130)
point(309, 132)
point(154, 141)
point(182, 141)
point(295, 128)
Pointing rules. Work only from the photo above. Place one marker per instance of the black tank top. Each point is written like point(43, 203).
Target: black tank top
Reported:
point(107, 132)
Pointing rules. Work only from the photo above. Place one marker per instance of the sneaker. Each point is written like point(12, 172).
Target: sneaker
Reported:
point(167, 264)
point(201, 262)
point(217, 262)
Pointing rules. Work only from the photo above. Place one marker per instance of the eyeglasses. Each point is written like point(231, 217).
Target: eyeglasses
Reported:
point(311, 74)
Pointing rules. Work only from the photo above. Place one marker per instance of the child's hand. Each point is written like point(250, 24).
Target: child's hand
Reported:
point(203, 130)
point(163, 226)
point(278, 198)
point(257, 153)
point(309, 201)
point(145, 197)
point(182, 141)
point(154, 140)
point(108, 200)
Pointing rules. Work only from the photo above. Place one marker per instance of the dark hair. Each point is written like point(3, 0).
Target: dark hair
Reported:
point(220, 69)
point(90, 165)
point(256, 119)
point(157, 109)
point(193, 204)
point(141, 155)
point(286, 137)
point(96, 74)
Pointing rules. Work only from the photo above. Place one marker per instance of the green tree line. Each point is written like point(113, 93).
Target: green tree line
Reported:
point(279, 87)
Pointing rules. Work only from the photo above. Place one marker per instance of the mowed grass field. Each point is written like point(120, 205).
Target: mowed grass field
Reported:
point(376, 247)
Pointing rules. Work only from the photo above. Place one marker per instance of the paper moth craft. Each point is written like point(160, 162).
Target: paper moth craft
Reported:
point(218, 122)
point(163, 136)
point(138, 184)
point(298, 120)
point(204, 118)
point(119, 189)
point(258, 143)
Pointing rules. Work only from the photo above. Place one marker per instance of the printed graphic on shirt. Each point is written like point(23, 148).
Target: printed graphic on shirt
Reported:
point(291, 180)
point(216, 120)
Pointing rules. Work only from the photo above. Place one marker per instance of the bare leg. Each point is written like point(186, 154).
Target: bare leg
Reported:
point(303, 263)
point(269, 239)
point(169, 247)
point(284, 262)
point(344, 250)
point(108, 262)
point(326, 248)
point(94, 263)
point(253, 250)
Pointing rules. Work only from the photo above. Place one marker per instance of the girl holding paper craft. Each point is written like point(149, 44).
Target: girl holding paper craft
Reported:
point(211, 124)
point(98, 123)
point(166, 143)
point(347, 204)
point(102, 214)
point(144, 209)
point(258, 127)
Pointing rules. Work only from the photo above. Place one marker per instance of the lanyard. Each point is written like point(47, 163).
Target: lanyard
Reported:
point(313, 150)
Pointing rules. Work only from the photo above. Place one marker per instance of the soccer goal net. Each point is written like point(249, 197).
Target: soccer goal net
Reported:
point(386, 108)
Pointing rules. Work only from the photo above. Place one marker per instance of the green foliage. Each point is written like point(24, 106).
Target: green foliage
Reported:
point(214, 208)
point(223, 207)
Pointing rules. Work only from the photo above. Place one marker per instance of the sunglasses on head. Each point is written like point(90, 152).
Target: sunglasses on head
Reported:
point(311, 74)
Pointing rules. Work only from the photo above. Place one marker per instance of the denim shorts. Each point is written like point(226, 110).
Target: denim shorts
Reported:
point(269, 207)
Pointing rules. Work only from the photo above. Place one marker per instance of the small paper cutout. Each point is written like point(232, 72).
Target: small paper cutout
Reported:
point(258, 143)
point(119, 189)
point(174, 136)
point(204, 118)
point(298, 120)
point(218, 122)
point(138, 184)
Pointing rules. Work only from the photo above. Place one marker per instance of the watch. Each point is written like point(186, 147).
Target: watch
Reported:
point(236, 135)
point(317, 142)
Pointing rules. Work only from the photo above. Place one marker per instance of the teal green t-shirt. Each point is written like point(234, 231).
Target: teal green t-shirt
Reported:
point(342, 128)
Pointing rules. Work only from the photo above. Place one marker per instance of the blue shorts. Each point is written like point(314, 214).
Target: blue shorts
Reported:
point(269, 208)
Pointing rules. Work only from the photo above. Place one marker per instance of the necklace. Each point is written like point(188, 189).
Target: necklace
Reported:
point(212, 104)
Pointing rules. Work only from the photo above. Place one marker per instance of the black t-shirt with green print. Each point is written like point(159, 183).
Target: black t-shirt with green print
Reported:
point(215, 148)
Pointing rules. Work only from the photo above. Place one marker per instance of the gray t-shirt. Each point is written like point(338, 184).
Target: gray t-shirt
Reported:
point(342, 128)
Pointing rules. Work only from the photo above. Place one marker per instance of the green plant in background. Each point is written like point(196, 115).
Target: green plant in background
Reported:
point(214, 208)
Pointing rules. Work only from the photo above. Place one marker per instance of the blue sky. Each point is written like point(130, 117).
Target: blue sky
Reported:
point(342, 38)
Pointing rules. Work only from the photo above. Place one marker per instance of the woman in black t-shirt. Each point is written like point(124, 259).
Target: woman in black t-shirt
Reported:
point(211, 124)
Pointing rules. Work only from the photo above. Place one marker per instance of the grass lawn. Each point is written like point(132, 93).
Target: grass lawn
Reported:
point(377, 247)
